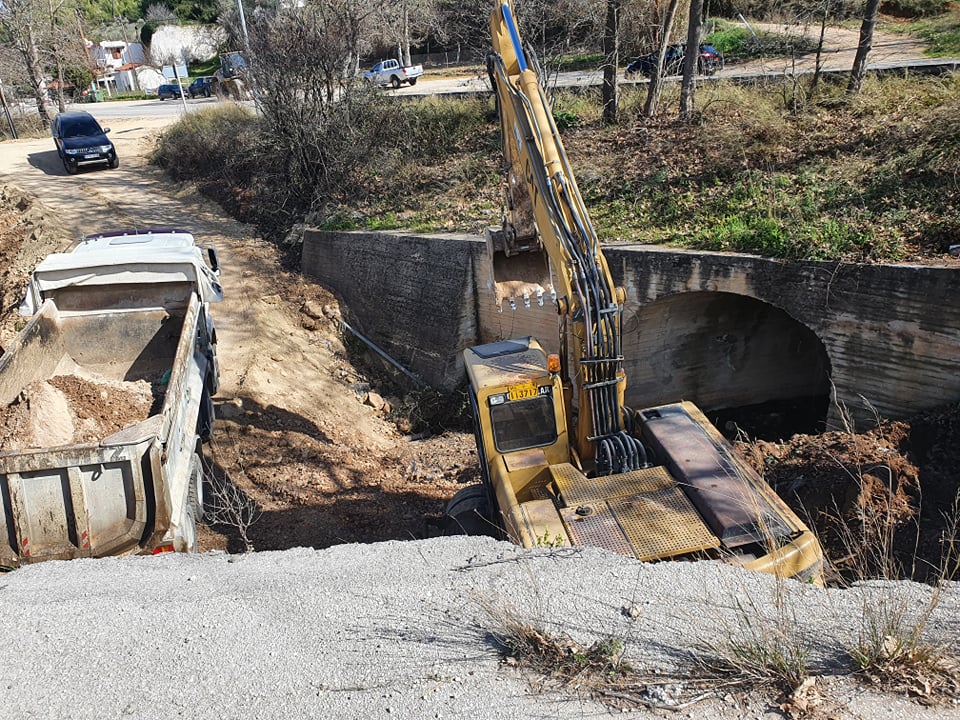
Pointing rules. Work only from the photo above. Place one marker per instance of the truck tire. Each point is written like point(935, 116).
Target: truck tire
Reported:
point(195, 491)
point(394, 82)
point(412, 81)
point(70, 167)
point(469, 513)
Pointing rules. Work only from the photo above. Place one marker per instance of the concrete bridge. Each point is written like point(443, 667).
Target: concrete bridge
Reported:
point(822, 343)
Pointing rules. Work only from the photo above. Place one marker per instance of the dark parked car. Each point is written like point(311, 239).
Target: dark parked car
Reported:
point(168, 91)
point(205, 86)
point(81, 141)
point(708, 63)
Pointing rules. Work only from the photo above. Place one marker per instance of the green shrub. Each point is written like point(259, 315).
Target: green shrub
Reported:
point(941, 31)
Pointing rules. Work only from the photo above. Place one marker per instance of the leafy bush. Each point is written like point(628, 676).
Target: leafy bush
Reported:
point(435, 127)
point(219, 150)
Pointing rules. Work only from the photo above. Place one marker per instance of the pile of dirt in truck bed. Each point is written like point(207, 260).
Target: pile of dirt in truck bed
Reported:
point(72, 410)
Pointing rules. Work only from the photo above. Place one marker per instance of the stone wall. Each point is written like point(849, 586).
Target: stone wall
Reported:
point(721, 330)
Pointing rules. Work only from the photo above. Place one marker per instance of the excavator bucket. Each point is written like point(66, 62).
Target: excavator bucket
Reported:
point(522, 275)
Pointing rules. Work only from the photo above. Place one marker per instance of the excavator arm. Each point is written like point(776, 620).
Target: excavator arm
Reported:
point(548, 245)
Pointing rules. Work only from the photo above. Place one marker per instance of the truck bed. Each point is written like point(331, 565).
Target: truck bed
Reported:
point(102, 497)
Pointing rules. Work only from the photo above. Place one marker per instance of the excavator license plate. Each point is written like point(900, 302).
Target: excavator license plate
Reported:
point(522, 391)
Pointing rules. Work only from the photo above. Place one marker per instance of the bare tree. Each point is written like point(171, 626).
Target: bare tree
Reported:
point(404, 24)
point(859, 71)
point(24, 23)
point(691, 59)
point(818, 63)
point(44, 35)
point(225, 503)
point(656, 82)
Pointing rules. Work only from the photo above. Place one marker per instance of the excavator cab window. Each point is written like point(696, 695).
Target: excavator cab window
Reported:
point(524, 424)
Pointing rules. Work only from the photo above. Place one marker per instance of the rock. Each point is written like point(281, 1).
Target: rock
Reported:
point(230, 409)
point(374, 400)
point(313, 309)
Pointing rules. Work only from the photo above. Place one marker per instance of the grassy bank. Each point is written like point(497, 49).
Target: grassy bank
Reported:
point(768, 169)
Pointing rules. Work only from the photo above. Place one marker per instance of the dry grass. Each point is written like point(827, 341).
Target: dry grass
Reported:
point(599, 670)
point(898, 648)
point(894, 653)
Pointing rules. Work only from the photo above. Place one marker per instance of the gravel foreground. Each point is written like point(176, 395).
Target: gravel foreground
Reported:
point(399, 630)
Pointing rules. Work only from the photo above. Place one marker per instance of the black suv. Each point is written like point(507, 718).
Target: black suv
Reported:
point(205, 86)
point(708, 63)
point(81, 141)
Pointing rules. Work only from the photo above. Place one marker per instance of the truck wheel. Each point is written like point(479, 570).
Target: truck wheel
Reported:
point(195, 493)
point(114, 163)
point(70, 167)
point(469, 513)
point(412, 81)
point(394, 82)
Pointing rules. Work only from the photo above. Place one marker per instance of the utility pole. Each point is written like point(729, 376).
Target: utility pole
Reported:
point(243, 27)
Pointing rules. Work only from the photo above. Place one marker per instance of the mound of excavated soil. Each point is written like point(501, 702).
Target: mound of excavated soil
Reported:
point(879, 501)
point(70, 410)
point(27, 234)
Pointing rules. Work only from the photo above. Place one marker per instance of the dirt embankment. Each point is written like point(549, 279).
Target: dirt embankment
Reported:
point(28, 233)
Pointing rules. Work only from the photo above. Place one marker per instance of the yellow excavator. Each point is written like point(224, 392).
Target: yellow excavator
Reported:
point(564, 461)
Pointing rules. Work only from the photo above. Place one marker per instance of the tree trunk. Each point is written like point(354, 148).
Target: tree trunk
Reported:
point(27, 47)
point(823, 32)
point(405, 58)
point(656, 82)
point(859, 71)
point(691, 60)
point(611, 60)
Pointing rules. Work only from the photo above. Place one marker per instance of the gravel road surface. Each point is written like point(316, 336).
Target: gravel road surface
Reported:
point(399, 630)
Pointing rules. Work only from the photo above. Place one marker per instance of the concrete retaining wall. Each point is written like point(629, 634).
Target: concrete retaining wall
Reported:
point(722, 330)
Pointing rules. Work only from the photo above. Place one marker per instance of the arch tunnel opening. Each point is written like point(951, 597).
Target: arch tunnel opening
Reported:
point(749, 366)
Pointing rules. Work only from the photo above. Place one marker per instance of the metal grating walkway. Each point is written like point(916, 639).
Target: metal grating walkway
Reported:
point(642, 513)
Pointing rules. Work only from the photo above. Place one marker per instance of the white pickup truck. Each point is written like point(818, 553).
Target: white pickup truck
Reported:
point(120, 310)
point(392, 73)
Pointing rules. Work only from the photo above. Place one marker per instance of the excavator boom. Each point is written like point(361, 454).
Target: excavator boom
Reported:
point(546, 216)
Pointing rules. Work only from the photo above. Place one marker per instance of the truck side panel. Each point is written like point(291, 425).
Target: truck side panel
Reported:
point(71, 502)
point(181, 408)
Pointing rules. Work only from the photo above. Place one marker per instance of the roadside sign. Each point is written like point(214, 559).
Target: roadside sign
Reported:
point(171, 74)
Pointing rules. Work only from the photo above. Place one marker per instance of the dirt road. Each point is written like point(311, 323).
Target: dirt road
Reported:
point(292, 431)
